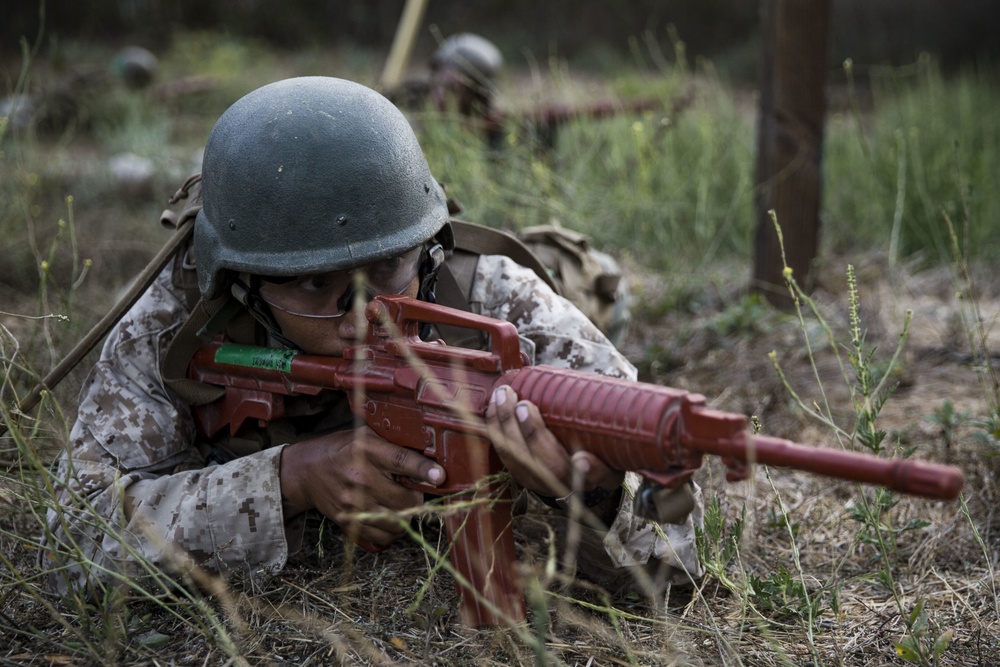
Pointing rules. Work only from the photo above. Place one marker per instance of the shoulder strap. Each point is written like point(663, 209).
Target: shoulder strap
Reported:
point(178, 355)
point(482, 240)
point(454, 283)
point(208, 319)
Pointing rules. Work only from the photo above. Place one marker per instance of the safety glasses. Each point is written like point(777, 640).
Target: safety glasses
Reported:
point(326, 295)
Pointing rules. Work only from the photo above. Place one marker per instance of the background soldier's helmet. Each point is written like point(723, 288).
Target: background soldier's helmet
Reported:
point(309, 175)
point(135, 65)
point(472, 60)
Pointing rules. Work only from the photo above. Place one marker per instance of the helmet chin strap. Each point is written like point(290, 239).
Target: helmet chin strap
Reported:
point(429, 268)
point(258, 309)
point(433, 261)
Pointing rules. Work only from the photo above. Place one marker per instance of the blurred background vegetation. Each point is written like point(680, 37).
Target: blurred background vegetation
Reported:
point(590, 33)
point(911, 126)
point(912, 140)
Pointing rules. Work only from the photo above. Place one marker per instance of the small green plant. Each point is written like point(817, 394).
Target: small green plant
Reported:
point(926, 642)
point(869, 391)
point(776, 521)
point(747, 316)
point(718, 542)
point(873, 514)
point(988, 431)
point(783, 596)
point(950, 422)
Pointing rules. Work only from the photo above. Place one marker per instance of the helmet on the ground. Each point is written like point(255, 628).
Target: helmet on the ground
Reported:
point(310, 175)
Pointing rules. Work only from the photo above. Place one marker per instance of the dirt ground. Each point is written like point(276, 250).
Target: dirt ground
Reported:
point(944, 561)
point(337, 605)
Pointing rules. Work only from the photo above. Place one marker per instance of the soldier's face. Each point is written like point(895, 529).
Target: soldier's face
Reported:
point(331, 336)
point(323, 313)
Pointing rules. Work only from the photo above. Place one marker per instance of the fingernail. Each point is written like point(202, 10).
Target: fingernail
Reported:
point(499, 396)
point(581, 464)
point(522, 412)
point(435, 475)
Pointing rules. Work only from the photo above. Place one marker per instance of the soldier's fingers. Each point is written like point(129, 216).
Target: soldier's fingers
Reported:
point(502, 426)
point(389, 494)
point(596, 474)
point(542, 443)
point(405, 462)
point(504, 431)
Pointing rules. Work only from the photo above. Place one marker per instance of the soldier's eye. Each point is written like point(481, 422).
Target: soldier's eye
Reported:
point(313, 284)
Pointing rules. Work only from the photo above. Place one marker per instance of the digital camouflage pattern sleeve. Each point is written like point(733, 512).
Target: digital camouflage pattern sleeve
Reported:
point(556, 333)
point(134, 484)
point(136, 488)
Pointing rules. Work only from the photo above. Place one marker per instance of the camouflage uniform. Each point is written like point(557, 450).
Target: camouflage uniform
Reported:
point(137, 483)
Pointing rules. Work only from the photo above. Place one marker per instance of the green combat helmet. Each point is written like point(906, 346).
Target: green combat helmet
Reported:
point(465, 66)
point(311, 175)
point(135, 66)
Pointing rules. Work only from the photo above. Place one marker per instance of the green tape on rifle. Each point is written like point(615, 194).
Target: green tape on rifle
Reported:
point(255, 357)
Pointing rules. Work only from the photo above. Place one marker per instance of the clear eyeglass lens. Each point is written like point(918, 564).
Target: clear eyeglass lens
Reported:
point(323, 294)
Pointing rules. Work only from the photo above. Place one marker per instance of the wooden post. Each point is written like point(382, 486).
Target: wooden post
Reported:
point(790, 141)
point(402, 44)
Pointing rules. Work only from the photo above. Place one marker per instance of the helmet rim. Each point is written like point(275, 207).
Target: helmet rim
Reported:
point(311, 174)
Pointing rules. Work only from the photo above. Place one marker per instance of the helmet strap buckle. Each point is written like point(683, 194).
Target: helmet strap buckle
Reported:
point(431, 265)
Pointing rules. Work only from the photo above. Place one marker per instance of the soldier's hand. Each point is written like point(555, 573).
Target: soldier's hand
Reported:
point(349, 472)
point(533, 455)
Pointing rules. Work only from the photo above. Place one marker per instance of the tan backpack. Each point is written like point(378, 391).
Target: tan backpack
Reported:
point(591, 279)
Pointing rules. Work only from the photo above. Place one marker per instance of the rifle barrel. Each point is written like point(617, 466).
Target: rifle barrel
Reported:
point(646, 427)
point(919, 478)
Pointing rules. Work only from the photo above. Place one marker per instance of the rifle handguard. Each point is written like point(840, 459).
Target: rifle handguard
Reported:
point(432, 398)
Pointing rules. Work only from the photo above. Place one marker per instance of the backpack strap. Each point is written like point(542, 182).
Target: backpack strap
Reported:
point(454, 283)
point(208, 319)
point(481, 240)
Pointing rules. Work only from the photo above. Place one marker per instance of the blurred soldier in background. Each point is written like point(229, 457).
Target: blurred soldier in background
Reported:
point(463, 73)
point(135, 66)
point(79, 95)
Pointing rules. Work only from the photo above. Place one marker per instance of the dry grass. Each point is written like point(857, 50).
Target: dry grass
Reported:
point(339, 605)
point(800, 586)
